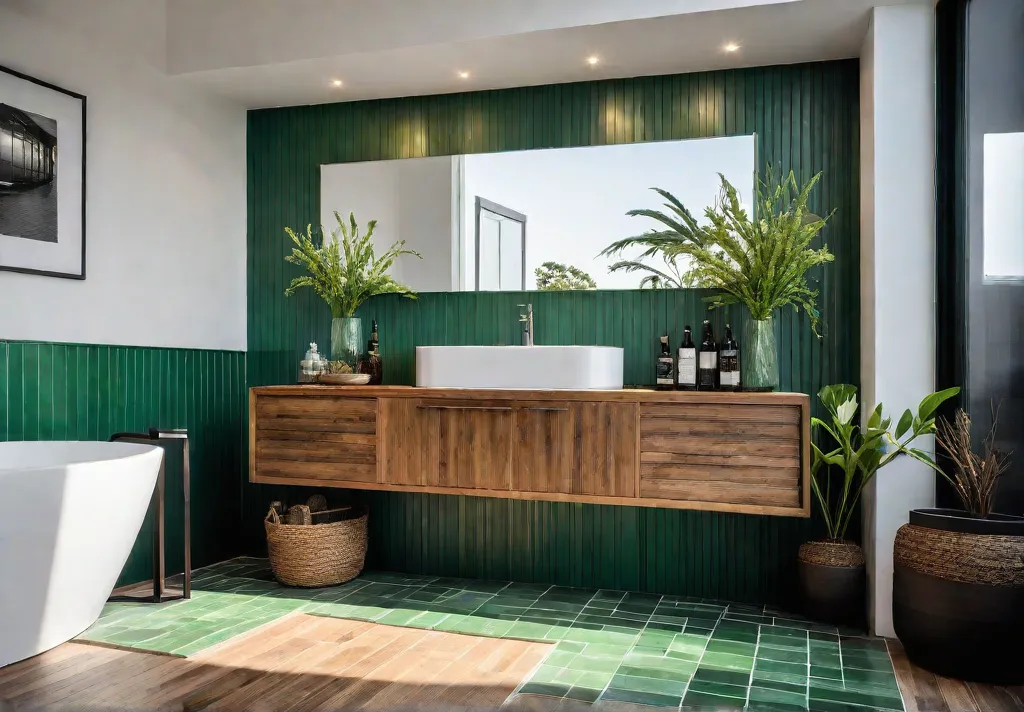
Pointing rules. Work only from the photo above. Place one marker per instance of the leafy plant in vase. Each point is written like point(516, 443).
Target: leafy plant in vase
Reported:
point(958, 574)
point(832, 576)
point(344, 270)
point(760, 262)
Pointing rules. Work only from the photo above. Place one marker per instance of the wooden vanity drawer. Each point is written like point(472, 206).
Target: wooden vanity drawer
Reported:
point(725, 453)
point(315, 439)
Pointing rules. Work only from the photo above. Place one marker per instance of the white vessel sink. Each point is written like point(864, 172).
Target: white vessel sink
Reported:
point(537, 367)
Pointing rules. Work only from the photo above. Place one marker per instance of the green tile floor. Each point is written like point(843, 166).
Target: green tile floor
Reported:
point(664, 651)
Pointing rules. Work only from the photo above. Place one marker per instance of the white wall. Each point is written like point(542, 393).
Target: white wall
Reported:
point(411, 200)
point(575, 199)
point(165, 231)
point(897, 266)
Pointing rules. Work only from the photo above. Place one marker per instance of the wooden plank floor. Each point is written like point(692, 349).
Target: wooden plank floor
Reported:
point(925, 692)
point(306, 662)
point(298, 663)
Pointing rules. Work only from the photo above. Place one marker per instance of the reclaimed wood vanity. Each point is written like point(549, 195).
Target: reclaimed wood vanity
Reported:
point(730, 452)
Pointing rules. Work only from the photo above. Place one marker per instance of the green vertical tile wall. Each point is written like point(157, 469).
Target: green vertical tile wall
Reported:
point(805, 118)
point(86, 392)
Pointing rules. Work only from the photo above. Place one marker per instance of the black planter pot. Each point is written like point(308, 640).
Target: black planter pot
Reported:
point(832, 582)
point(958, 594)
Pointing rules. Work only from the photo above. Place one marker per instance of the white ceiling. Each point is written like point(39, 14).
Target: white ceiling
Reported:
point(768, 33)
point(262, 53)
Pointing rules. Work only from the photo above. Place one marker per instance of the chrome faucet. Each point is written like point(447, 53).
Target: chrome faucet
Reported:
point(527, 321)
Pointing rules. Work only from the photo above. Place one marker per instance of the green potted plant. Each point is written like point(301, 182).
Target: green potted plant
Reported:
point(831, 570)
point(958, 575)
point(344, 271)
point(760, 261)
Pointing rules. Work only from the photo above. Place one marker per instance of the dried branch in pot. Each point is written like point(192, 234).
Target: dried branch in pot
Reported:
point(975, 476)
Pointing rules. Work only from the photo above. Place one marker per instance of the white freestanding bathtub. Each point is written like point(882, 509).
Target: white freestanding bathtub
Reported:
point(69, 515)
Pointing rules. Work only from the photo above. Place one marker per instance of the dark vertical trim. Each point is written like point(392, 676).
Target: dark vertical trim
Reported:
point(951, 175)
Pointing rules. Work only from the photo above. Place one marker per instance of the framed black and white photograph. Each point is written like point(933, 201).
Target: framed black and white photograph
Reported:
point(42, 177)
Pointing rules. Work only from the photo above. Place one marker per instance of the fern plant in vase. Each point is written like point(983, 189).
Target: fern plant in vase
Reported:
point(344, 271)
point(760, 262)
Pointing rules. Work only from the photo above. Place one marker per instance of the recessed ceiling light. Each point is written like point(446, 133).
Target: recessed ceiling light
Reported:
point(730, 47)
point(463, 75)
point(336, 82)
point(593, 59)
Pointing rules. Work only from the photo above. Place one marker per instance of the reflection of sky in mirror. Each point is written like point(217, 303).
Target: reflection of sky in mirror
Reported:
point(576, 199)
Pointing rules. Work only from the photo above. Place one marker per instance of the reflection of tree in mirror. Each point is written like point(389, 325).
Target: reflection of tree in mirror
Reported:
point(760, 261)
point(557, 277)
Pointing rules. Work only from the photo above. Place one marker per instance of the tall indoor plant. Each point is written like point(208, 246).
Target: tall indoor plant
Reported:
point(344, 271)
point(958, 574)
point(760, 261)
point(832, 577)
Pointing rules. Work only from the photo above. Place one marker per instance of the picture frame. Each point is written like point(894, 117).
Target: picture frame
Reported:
point(42, 177)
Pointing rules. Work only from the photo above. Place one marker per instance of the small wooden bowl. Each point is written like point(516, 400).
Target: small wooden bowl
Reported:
point(345, 379)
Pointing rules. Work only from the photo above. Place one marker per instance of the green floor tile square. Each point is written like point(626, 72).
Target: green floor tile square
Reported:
point(782, 697)
point(877, 677)
point(544, 688)
point(729, 677)
point(653, 673)
point(603, 650)
point(640, 698)
point(560, 658)
point(571, 647)
point(398, 616)
point(818, 657)
point(694, 700)
point(783, 655)
point(796, 688)
point(783, 677)
point(826, 672)
point(528, 631)
point(593, 680)
point(594, 664)
point(716, 645)
point(720, 689)
point(884, 702)
point(583, 694)
point(776, 666)
point(727, 661)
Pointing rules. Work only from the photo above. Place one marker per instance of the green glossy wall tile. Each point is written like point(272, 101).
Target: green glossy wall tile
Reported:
point(86, 392)
point(805, 118)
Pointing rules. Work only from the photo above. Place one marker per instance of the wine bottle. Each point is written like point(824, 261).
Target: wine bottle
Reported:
point(663, 368)
point(687, 370)
point(729, 362)
point(707, 374)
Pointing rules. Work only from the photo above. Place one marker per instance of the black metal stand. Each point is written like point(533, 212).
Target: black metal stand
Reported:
point(160, 592)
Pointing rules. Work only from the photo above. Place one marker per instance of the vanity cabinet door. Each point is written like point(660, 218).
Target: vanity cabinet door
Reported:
point(409, 443)
point(545, 447)
point(475, 445)
point(609, 451)
point(444, 443)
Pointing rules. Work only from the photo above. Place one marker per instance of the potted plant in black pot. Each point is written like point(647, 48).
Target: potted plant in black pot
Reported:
point(958, 578)
point(831, 570)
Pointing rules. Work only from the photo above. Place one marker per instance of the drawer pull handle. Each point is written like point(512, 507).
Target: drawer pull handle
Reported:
point(493, 409)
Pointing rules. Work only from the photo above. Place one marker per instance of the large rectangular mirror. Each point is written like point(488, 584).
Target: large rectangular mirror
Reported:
point(519, 220)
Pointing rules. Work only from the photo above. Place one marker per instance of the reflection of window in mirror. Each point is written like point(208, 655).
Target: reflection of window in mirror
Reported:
point(1003, 207)
point(576, 200)
point(500, 248)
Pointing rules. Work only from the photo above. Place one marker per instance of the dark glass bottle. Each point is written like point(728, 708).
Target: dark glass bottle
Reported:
point(687, 369)
point(663, 369)
point(372, 364)
point(707, 368)
point(729, 362)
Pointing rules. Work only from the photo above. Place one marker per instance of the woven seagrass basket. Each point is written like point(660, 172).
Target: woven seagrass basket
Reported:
point(312, 555)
